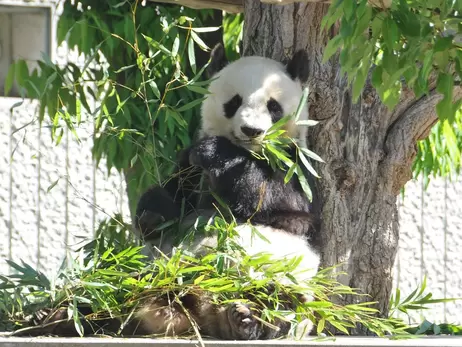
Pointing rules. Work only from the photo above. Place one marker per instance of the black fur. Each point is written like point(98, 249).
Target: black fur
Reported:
point(275, 109)
point(298, 66)
point(218, 60)
point(250, 187)
point(232, 105)
point(182, 194)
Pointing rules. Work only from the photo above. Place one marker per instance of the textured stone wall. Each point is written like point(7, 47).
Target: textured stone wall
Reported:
point(431, 243)
point(36, 225)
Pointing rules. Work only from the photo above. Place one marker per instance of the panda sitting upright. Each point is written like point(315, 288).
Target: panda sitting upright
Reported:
point(246, 98)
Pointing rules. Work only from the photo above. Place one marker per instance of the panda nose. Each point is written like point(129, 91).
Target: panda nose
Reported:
point(251, 132)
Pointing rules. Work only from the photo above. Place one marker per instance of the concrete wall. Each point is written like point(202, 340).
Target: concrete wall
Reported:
point(36, 225)
point(431, 243)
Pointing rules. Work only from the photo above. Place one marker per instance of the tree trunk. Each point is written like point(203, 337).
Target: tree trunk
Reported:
point(368, 150)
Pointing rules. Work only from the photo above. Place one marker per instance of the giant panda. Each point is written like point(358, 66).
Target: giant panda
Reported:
point(246, 97)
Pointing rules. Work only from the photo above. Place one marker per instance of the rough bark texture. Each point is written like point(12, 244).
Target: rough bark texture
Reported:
point(368, 149)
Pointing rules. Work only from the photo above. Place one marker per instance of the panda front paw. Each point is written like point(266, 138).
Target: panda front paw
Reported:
point(214, 152)
point(206, 151)
point(243, 324)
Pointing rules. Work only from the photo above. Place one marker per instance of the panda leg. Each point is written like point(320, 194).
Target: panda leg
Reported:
point(161, 204)
point(242, 322)
point(235, 321)
point(155, 207)
point(159, 316)
point(57, 322)
point(196, 313)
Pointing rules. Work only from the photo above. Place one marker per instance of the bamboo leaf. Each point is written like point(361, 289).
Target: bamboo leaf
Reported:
point(190, 105)
point(307, 122)
point(307, 164)
point(311, 154)
point(290, 173)
point(175, 47)
point(205, 29)
point(199, 41)
point(301, 103)
point(9, 79)
point(52, 185)
point(191, 55)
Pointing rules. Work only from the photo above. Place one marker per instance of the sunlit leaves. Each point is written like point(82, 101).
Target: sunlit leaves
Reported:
point(192, 56)
point(110, 274)
point(233, 29)
point(441, 153)
point(397, 41)
point(416, 44)
point(445, 85)
point(9, 81)
point(139, 84)
point(418, 299)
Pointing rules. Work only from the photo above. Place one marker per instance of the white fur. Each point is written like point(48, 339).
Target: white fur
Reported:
point(256, 80)
point(280, 244)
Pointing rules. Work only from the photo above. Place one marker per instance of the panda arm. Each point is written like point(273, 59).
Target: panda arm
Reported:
point(249, 186)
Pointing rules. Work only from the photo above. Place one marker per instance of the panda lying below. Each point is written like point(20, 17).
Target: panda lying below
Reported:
point(246, 98)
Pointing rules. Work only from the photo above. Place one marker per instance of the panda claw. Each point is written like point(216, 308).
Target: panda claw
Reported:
point(243, 323)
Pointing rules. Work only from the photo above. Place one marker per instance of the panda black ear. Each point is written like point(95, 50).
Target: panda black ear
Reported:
point(217, 60)
point(298, 66)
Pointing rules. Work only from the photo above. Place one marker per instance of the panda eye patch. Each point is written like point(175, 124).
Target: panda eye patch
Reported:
point(275, 109)
point(232, 105)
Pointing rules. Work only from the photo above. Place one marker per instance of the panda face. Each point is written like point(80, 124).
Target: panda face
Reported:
point(247, 97)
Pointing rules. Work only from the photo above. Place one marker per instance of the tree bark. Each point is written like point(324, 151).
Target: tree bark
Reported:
point(368, 150)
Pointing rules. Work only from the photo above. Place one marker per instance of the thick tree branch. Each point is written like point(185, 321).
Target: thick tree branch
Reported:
point(237, 6)
point(230, 6)
point(412, 125)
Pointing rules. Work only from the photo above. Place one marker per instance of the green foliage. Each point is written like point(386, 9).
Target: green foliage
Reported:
point(110, 275)
point(412, 43)
point(233, 29)
point(428, 328)
point(275, 145)
point(406, 43)
point(133, 89)
point(440, 153)
point(418, 299)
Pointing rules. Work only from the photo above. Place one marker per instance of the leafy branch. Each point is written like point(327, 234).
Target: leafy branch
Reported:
point(275, 144)
point(412, 45)
point(112, 277)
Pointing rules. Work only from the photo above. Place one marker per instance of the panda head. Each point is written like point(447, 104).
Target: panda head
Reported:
point(250, 94)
